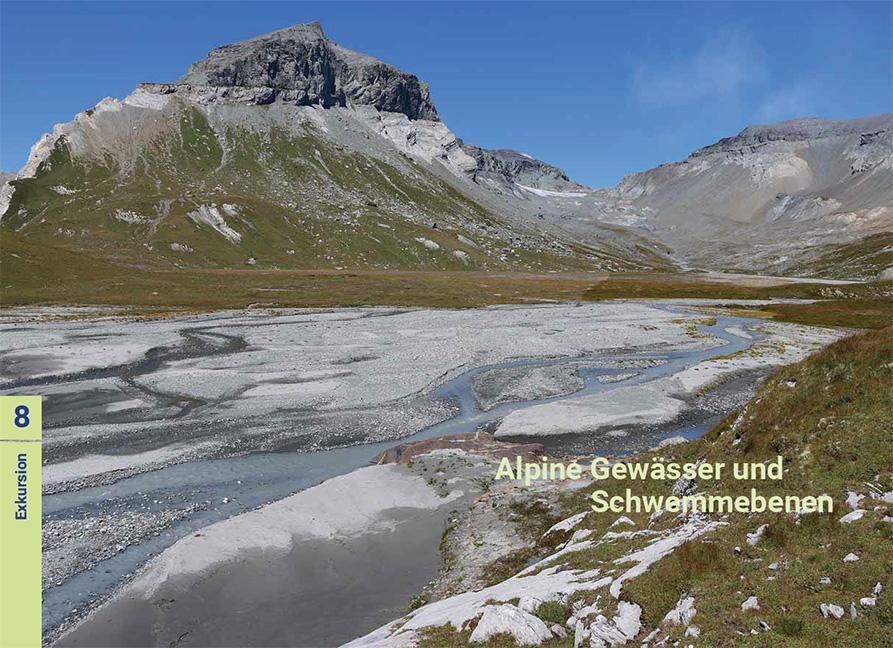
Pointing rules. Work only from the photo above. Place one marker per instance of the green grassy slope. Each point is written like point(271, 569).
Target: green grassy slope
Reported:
point(829, 417)
point(296, 198)
point(865, 258)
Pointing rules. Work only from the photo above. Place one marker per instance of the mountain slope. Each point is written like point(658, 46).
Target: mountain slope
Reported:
point(286, 151)
point(591, 578)
point(764, 199)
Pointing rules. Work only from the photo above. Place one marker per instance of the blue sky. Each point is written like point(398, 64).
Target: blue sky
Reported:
point(600, 89)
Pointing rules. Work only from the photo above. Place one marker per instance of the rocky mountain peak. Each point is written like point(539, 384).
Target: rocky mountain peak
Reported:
point(300, 65)
point(799, 130)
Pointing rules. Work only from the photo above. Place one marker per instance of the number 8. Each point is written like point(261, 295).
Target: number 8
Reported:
point(22, 420)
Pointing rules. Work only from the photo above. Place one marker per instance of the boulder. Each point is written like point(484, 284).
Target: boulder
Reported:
point(526, 629)
point(751, 603)
point(829, 610)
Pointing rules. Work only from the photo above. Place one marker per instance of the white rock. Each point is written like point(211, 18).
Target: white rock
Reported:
point(853, 499)
point(675, 440)
point(130, 217)
point(852, 516)
point(567, 524)
point(831, 610)
point(853, 613)
point(877, 588)
point(824, 580)
point(529, 604)
point(850, 557)
point(622, 520)
point(583, 612)
point(683, 486)
point(428, 243)
point(210, 215)
point(526, 629)
point(618, 631)
point(774, 566)
point(754, 538)
point(652, 553)
point(628, 618)
point(558, 631)
point(868, 601)
point(692, 631)
point(683, 613)
point(751, 603)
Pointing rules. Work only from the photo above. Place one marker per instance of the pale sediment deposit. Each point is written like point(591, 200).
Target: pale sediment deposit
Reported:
point(186, 425)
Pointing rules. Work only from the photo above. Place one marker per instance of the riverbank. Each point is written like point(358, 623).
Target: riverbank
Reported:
point(456, 366)
point(759, 579)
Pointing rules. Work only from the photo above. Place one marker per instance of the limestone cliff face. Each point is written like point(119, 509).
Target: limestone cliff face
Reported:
point(300, 65)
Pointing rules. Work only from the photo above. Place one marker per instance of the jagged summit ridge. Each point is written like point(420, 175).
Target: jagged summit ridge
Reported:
point(301, 65)
point(799, 130)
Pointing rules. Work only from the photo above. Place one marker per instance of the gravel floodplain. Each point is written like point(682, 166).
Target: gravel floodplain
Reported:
point(247, 381)
point(178, 423)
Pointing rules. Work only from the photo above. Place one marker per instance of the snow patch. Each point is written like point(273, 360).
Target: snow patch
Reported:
point(543, 193)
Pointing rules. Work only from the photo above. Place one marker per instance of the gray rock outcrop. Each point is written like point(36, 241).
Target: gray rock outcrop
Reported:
point(300, 65)
point(506, 165)
point(801, 130)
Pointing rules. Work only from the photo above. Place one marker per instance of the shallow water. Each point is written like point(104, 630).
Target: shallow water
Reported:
point(252, 480)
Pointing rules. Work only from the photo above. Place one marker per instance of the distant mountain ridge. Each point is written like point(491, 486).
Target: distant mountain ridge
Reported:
point(799, 130)
point(772, 196)
point(290, 151)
